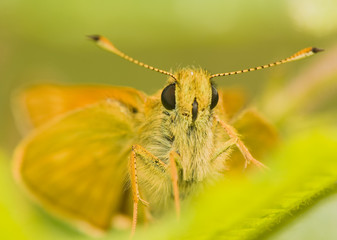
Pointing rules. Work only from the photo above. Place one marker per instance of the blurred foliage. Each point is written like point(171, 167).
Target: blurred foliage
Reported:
point(45, 42)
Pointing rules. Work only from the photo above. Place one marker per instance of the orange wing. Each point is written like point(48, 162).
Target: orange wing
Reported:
point(231, 102)
point(74, 162)
point(259, 135)
point(36, 105)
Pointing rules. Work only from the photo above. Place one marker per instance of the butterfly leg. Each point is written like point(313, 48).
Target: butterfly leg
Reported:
point(174, 177)
point(240, 145)
point(226, 148)
point(139, 151)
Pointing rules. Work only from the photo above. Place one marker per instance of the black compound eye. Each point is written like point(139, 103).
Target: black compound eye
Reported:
point(215, 97)
point(168, 97)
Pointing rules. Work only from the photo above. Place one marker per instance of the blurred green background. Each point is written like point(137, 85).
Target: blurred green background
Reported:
point(45, 41)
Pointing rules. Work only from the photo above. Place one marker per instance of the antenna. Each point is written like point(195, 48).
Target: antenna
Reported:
point(108, 46)
point(306, 52)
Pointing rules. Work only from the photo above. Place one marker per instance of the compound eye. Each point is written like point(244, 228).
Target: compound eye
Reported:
point(215, 97)
point(168, 97)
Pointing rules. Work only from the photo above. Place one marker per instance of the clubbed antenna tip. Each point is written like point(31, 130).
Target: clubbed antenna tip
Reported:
point(94, 37)
point(306, 52)
point(316, 50)
point(105, 44)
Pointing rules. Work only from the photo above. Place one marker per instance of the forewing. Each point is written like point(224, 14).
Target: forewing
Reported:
point(259, 135)
point(231, 101)
point(76, 165)
point(35, 105)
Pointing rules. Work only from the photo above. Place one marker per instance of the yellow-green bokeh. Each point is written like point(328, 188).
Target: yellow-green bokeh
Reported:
point(45, 41)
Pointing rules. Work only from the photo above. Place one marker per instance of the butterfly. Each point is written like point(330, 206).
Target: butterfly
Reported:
point(95, 155)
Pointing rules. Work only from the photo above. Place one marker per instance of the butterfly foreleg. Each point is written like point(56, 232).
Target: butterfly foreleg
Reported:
point(224, 148)
point(140, 153)
point(174, 177)
point(240, 145)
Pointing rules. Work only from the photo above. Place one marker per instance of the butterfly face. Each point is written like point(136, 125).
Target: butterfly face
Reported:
point(191, 95)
